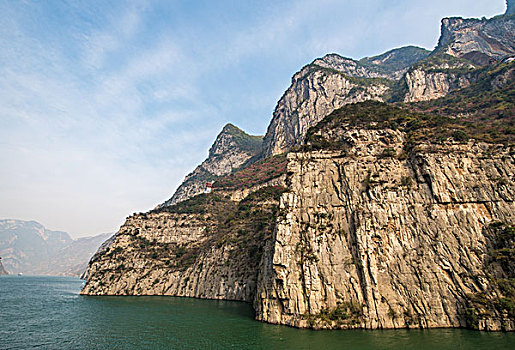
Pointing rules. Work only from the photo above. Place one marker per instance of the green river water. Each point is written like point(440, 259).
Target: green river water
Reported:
point(49, 313)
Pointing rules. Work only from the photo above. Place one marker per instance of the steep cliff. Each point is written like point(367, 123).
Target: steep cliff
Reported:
point(479, 40)
point(408, 74)
point(231, 149)
point(382, 229)
point(316, 90)
point(208, 246)
point(357, 213)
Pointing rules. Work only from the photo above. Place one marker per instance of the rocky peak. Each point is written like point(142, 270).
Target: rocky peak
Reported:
point(329, 83)
point(481, 41)
point(233, 137)
point(341, 64)
point(231, 149)
point(391, 65)
point(394, 63)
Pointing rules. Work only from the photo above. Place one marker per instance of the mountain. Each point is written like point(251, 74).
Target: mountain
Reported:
point(231, 149)
point(408, 74)
point(24, 245)
point(329, 83)
point(382, 196)
point(481, 41)
point(28, 247)
point(72, 260)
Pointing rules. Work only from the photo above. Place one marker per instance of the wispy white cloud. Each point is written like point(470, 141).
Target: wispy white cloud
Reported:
point(106, 106)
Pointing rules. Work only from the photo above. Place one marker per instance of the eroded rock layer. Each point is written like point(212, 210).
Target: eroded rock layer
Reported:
point(380, 240)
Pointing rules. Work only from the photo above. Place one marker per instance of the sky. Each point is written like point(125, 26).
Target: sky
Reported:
point(105, 106)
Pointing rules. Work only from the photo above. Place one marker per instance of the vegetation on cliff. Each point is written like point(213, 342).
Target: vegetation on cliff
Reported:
point(254, 174)
point(498, 301)
point(244, 226)
point(484, 111)
point(245, 142)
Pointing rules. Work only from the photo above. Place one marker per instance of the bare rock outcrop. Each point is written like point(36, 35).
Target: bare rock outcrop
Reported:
point(374, 241)
point(315, 92)
point(231, 149)
point(425, 84)
point(207, 247)
point(481, 41)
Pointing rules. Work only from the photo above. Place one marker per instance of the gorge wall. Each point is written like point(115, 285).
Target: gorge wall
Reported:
point(374, 241)
point(351, 214)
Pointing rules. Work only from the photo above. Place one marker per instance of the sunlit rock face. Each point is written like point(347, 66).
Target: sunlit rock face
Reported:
point(231, 149)
point(377, 225)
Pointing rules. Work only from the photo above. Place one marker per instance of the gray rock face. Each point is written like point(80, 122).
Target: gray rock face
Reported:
point(318, 89)
point(231, 149)
point(125, 269)
point(330, 82)
point(402, 239)
point(437, 81)
point(480, 41)
point(199, 253)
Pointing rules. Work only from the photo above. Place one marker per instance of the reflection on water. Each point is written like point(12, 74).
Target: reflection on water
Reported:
point(48, 313)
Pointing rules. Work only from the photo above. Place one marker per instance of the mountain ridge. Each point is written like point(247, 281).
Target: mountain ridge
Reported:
point(28, 247)
point(357, 213)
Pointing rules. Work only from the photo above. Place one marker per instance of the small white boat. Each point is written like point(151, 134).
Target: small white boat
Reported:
point(20, 274)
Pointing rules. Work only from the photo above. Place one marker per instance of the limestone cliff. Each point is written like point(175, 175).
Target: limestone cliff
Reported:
point(231, 149)
point(329, 83)
point(407, 74)
point(206, 247)
point(479, 40)
point(374, 241)
point(436, 76)
point(357, 213)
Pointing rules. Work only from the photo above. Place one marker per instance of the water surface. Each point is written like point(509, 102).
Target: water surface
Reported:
point(49, 313)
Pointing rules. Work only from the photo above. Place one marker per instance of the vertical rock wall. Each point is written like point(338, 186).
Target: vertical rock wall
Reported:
point(383, 242)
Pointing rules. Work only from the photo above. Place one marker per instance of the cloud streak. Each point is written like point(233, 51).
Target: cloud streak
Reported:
point(106, 106)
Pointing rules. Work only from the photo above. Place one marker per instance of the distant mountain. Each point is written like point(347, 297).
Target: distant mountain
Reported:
point(28, 247)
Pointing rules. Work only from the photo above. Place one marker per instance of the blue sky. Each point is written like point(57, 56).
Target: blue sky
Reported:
point(105, 106)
